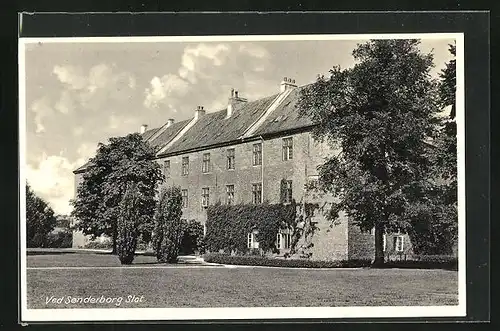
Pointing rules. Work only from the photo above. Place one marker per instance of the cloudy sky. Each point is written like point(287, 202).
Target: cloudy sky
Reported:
point(79, 94)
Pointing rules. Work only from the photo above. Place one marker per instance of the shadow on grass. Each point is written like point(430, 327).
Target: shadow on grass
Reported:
point(59, 252)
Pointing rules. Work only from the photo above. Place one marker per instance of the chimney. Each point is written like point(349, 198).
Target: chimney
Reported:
point(170, 121)
point(199, 112)
point(234, 99)
point(287, 84)
point(143, 129)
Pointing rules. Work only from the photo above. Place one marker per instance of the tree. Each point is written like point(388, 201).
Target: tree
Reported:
point(117, 164)
point(169, 228)
point(40, 219)
point(435, 224)
point(379, 115)
point(128, 222)
point(446, 143)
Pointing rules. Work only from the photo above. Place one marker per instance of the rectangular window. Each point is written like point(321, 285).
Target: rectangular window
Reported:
point(205, 197)
point(184, 198)
point(251, 241)
point(287, 239)
point(166, 168)
point(257, 154)
point(229, 194)
point(185, 166)
point(287, 149)
point(398, 243)
point(287, 191)
point(205, 165)
point(257, 193)
point(230, 159)
point(283, 239)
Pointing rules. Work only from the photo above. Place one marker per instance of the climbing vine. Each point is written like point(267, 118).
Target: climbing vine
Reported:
point(229, 225)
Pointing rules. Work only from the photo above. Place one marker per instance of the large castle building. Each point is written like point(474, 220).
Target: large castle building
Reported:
point(243, 154)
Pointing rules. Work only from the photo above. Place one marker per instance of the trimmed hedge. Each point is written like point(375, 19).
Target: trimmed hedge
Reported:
point(60, 239)
point(96, 244)
point(421, 262)
point(425, 262)
point(288, 263)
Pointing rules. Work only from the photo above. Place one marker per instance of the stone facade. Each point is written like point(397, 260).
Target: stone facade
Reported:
point(79, 239)
point(269, 173)
point(274, 123)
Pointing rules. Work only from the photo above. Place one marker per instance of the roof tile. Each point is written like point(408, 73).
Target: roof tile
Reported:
point(166, 136)
point(213, 128)
point(285, 117)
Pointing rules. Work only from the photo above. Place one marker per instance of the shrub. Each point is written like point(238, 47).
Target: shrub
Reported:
point(425, 262)
point(96, 244)
point(128, 220)
point(169, 227)
point(288, 263)
point(60, 239)
point(192, 239)
point(142, 244)
point(420, 262)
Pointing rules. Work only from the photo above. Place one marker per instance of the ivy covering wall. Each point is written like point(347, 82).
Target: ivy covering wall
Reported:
point(229, 225)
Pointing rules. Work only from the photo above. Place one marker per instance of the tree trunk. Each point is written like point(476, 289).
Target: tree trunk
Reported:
point(115, 235)
point(379, 245)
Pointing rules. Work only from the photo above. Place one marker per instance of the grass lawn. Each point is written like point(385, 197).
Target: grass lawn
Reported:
point(199, 286)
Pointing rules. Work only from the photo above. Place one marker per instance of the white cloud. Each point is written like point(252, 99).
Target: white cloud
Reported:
point(52, 179)
point(100, 76)
point(163, 88)
point(65, 103)
point(254, 50)
point(216, 53)
point(71, 75)
point(91, 90)
point(208, 72)
point(131, 82)
point(122, 124)
point(85, 151)
point(42, 109)
point(195, 57)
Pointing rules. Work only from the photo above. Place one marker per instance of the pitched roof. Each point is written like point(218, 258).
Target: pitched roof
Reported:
point(285, 117)
point(213, 128)
point(146, 135)
point(82, 168)
point(166, 136)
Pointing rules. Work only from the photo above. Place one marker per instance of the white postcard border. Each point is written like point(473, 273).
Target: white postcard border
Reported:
point(156, 314)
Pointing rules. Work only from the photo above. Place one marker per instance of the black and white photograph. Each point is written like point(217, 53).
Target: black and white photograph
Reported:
point(242, 177)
